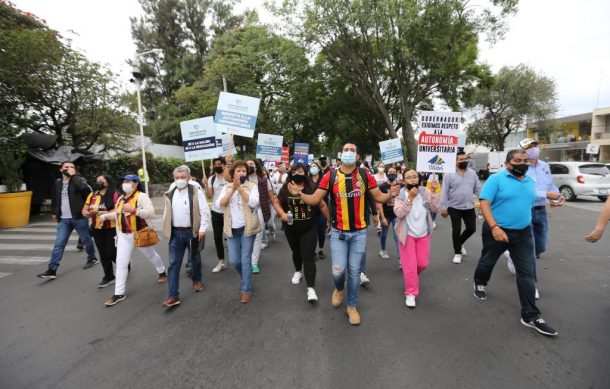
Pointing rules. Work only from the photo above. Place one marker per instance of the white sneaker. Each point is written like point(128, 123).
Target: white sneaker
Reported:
point(312, 297)
point(364, 280)
point(509, 263)
point(221, 266)
point(433, 225)
point(457, 258)
point(296, 278)
point(537, 295)
point(384, 254)
point(263, 246)
point(410, 301)
point(464, 252)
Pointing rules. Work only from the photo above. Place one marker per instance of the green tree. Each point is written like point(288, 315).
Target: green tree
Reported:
point(399, 52)
point(504, 103)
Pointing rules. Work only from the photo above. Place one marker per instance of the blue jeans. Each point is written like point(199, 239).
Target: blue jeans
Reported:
point(178, 244)
point(347, 253)
point(520, 245)
point(384, 232)
point(240, 255)
point(540, 228)
point(64, 229)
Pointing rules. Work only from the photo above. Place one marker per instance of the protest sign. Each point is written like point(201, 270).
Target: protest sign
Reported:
point(199, 139)
point(269, 147)
point(236, 114)
point(438, 141)
point(301, 153)
point(286, 155)
point(223, 142)
point(391, 151)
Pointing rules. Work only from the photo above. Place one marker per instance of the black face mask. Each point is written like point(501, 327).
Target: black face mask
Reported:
point(218, 169)
point(520, 169)
point(251, 170)
point(323, 164)
point(463, 165)
point(411, 186)
point(243, 179)
point(65, 173)
point(392, 177)
point(298, 178)
point(99, 185)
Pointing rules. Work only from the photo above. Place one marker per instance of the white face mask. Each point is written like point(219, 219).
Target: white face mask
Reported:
point(181, 183)
point(127, 188)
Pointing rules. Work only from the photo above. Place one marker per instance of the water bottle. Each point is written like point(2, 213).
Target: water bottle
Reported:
point(290, 218)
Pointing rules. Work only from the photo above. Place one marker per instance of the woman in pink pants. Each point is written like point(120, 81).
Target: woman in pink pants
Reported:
point(414, 225)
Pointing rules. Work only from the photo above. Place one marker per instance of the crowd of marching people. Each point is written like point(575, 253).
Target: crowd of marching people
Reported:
point(316, 204)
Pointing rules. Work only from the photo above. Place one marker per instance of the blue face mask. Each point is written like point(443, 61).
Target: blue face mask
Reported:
point(314, 170)
point(392, 177)
point(348, 158)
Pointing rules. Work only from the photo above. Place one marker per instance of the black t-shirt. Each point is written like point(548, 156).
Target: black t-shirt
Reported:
point(388, 208)
point(304, 216)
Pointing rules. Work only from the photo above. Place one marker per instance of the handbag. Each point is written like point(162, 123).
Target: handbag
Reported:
point(146, 237)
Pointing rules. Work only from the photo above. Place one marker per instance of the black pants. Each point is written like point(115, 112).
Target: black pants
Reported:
point(303, 246)
point(470, 221)
point(520, 245)
point(218, 227)
point(104, 241)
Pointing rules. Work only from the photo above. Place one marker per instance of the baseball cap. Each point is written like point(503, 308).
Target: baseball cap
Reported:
point(527, 143)
point(131, 177)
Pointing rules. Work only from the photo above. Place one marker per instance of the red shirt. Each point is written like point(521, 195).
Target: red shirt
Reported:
point(347, 197)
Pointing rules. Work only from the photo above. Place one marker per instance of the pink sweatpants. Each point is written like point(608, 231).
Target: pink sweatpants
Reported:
point(414, 258)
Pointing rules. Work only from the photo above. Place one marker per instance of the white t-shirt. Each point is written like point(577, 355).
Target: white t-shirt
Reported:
point(278, 181)
point(417, 219)
point(236, 205)
point(219, 184)
point(380, 178)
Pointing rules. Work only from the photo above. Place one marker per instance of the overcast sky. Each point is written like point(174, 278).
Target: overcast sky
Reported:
point(566, 40)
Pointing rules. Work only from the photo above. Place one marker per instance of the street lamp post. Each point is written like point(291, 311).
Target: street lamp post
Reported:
point(138, 77)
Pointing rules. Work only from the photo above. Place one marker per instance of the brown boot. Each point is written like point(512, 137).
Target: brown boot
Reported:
point(245, 297)
point(162, 277)
point(337, 298)
point(354, 316)
point(197, 286)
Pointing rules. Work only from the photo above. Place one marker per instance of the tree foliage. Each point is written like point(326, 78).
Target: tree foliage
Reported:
point(506, 101)
point(399, 54)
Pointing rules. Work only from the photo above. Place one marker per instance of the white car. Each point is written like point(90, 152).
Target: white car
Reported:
point(581, 179)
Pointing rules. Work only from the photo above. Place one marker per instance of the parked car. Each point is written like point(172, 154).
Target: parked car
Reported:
point(581, 179)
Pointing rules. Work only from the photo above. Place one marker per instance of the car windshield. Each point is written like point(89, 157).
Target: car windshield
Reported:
point(598, 169)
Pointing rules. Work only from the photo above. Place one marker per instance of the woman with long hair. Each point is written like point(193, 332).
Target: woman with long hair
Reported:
point(99, 202)
point(130, 215)
point(316, 176)
point(239, 199)
point(300, 226)
point(257, 176)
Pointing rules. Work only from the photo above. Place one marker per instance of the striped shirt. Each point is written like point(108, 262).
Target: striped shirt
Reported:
point(95, 201)
point(348, 198)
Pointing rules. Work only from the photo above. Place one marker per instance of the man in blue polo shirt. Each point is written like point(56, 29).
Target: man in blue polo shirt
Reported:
point(506, 202)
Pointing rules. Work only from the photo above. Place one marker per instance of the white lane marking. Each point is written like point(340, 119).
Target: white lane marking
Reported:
point(48, 230)
point(49, 224)
point(33, 237)
point(31, 247)
point(5, 274)
point(23, 260)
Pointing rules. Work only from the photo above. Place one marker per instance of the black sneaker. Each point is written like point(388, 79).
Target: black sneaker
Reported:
point(479, 292)
point(189, 271)
point(80, 247)
point(105, 282)
point(114, 300)
point(321, 255)
point(49, 274)
point(90, 264)
point(540, 326)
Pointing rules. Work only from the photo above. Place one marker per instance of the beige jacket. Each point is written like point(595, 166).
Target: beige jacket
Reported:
point(194, 210)
point(253, 226)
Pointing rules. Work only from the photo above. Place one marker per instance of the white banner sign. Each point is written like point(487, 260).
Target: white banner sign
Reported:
point(438, 141)
point(269, 147)
point(592, 149)
point(391, 151)
point(236, 114)
point(223, 142)
point(199, 139)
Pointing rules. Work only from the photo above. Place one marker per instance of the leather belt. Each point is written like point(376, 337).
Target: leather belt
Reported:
point(182, 228)
point(538, 207)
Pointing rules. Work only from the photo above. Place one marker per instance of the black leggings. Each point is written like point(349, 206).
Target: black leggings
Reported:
point(303, 246)
point(321, 230)
point(104, 241)
point(470, 221)
point(218, 226)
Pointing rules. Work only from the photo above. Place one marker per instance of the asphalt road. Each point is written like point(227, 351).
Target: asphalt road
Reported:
point(58, 334)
